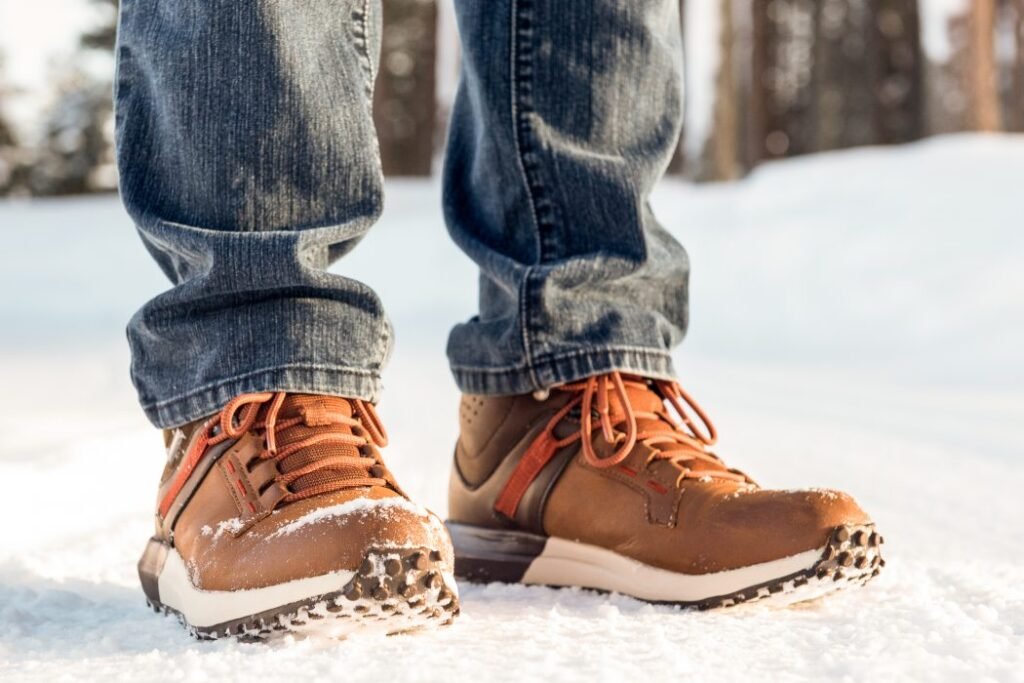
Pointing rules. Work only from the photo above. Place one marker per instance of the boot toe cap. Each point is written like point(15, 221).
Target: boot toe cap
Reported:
point(322, 536)
point(765, 525)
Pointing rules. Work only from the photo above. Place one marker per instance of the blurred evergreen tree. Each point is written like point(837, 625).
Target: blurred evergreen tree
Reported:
point(104, 36)
point(8, 156)
point(6, 134)
point(76, 150)
point(12, 155)
point(75, 153)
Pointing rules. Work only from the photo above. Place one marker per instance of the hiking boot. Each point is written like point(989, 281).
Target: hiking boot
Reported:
point(596, 485)
point(278, 514)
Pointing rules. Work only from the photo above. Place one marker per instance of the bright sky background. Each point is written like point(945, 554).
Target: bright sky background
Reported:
point(935, 15)
point(34, 35)
point(34, 32)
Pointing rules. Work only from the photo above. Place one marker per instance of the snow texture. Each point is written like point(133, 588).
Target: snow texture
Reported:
point(857, 322)
point(352, 507)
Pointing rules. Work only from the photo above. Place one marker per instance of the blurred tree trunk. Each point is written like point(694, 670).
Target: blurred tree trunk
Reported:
point(980, 75)
point(742, 66)
point(405, 97)
point(899, 91)
point(782, 94)
point(845, 57)
point(763, 118)
point(964, 92)
point(723, 162)
point(1015, 99)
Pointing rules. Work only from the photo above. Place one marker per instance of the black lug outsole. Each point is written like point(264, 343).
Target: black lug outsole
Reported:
point(394, 590)
point(852, 556)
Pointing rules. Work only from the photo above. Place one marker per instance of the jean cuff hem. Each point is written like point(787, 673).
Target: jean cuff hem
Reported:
point(550, 370)
point(305, 379)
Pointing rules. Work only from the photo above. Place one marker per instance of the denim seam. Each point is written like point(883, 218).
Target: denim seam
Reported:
point(386, 341)
point(363, 48)
point(371, 84)
point(152, 225)
point(520, 105)
point(555, 357)
point(277, 368)
point(564, 367)
point(514, 82)
point(526, 140)
point(524, 326)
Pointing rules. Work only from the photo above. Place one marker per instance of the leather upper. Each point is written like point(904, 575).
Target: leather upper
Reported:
point(641, 507)
point(234, 531)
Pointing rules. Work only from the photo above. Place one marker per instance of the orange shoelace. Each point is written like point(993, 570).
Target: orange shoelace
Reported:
point(683, 444)
point(331, 455)
point(607, 397)
point(239, 416)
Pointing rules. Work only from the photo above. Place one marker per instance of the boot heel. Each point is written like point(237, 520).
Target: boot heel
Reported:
point(484, 555)
point(150, 566)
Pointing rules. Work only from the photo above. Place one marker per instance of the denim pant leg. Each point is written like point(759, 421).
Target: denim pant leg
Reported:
point(249, 163)
point(566, 116)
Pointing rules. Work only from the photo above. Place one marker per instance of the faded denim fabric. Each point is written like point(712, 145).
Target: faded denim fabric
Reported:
point(249, 163)
point(567, 114)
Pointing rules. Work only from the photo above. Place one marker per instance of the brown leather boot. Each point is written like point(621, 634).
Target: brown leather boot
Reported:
point(598, 486)
point(278, 514)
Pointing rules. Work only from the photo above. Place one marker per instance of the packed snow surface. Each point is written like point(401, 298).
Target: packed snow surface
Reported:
point(857, 322)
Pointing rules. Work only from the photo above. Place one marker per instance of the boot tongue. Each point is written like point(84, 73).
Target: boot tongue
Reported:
point(645, 400)
point(642, 398)
point(315, 412)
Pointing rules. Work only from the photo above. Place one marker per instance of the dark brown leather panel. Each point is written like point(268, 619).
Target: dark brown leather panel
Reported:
point(475, 504)
point(490, 426)
point(199, 474)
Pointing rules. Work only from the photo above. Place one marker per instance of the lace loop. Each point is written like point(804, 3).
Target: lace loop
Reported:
point(677, 396)
point(607, 398)
point(594, 398)
point(599, 386)
point(371, 422)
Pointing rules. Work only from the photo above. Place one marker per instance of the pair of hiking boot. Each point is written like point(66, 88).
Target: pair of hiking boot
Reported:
point(279, 514)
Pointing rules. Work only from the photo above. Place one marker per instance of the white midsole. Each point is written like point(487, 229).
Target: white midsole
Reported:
point(203, 608)
point(569, 563)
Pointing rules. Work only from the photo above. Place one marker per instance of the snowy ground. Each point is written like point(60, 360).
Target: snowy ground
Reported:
point(857, 322)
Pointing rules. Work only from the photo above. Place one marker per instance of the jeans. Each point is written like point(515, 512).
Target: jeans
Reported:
point(249, 164)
